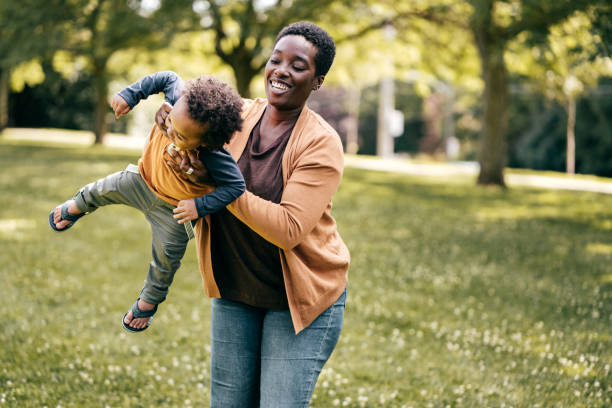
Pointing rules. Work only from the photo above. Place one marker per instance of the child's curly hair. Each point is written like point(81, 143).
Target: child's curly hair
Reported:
point(213, 102)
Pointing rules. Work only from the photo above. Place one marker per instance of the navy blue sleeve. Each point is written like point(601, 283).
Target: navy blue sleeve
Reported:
point(224, 170)
point(167, 82)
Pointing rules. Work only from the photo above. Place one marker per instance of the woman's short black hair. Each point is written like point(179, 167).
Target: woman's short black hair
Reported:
point(216, 104)
point(326, 49)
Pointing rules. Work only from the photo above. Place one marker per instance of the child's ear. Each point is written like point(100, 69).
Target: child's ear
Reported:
point(317, 82)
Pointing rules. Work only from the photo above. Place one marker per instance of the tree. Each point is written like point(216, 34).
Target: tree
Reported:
point(244, 31)
point(569, 64)
point(28, 30)
point(493, 25)
point(100, 28)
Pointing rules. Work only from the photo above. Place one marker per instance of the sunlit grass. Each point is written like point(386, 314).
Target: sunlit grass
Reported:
point(459, 296)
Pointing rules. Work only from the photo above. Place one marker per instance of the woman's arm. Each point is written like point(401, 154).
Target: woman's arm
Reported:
point(307, 194)
point(168, 82)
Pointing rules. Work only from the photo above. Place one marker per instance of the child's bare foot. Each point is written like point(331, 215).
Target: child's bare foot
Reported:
point(57, 215)
point(139, 323)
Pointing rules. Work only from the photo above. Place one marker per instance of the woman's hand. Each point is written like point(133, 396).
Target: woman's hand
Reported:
point(161, 115)
point(119, 105)
point(189, 166)
point(186, 210)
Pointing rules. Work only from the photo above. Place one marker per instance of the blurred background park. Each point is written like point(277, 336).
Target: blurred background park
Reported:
point(460, 296)
point(524, 84)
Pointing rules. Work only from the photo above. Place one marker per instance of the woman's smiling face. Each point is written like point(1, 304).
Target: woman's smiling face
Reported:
point(290, 73)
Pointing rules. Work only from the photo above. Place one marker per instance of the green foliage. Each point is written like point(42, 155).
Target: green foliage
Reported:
point(459, 296)
point(57, 102)
point(29, 29)
point(244, 31)
point(537, 134)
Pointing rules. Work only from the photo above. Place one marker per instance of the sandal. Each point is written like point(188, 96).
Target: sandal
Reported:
point(65, 215)
point(136, 314)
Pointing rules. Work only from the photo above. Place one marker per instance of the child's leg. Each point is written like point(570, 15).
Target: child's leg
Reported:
point(124, 187)
point(168, 247)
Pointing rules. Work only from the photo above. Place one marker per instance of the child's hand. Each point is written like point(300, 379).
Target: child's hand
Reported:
point(185, 211)
point(161, 115)
point(119, 105)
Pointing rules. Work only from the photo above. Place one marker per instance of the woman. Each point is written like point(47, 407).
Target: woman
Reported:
point(273, 261)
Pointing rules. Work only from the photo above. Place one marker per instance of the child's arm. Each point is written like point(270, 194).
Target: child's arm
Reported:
point(167, 82)
point(224, 170)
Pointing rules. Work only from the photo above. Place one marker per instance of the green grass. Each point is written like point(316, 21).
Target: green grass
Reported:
point(459, 296)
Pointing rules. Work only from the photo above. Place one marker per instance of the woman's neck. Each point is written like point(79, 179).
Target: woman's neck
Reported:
point(275, 117)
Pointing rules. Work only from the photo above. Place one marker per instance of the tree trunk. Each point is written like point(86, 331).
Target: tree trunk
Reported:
point(492, 155)
point(244, 75)
point(101, 108)
point(4, 97)
point(570, 164)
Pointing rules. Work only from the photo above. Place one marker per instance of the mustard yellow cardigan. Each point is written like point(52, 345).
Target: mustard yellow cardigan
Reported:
point(314, 258)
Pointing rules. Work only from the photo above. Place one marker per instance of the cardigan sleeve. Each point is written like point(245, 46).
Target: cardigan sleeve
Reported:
point(313, 180)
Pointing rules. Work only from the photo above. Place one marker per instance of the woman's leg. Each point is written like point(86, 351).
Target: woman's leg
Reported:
point(290, 363)
point(235, 354)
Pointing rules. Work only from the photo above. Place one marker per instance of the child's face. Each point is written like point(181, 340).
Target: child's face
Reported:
point(184, 132)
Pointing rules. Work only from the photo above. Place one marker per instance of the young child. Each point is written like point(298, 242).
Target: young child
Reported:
point(202, 121)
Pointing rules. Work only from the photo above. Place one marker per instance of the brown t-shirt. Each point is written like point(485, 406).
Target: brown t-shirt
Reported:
point(246, 267)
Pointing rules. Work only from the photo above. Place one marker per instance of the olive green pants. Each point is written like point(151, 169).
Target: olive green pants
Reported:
point(169, 237)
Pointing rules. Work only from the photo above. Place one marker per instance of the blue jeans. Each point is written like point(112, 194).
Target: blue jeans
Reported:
point(257, 359)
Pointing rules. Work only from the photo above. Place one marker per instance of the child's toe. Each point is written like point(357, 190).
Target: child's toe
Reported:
point(128, 318)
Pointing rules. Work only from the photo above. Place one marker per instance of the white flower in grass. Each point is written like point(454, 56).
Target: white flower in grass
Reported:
point(336, 402)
